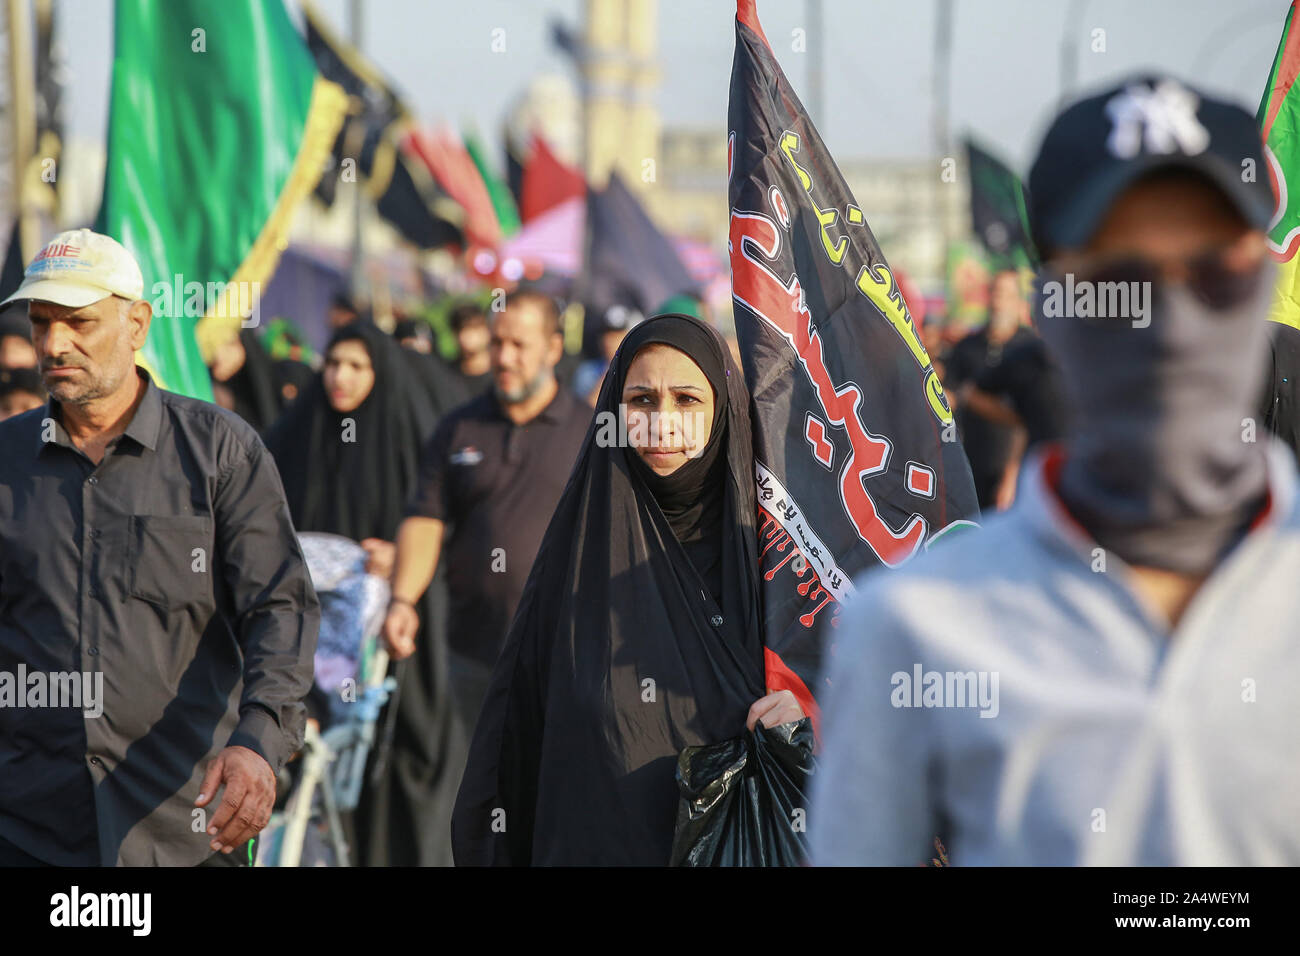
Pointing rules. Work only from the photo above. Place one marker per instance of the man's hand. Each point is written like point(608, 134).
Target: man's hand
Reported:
point(250, 795)
point(399, 630)
point(774, 709)
point(380, 556)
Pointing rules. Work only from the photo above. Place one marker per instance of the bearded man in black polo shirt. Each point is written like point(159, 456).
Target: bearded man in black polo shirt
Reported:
point(490, 479)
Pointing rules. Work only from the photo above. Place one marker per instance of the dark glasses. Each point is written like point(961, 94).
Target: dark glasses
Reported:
point(1221, 277)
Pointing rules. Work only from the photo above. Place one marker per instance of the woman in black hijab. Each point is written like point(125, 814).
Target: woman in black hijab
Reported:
point(245, 371)
point(638, 633)
point(348, 447)
point(348, 450)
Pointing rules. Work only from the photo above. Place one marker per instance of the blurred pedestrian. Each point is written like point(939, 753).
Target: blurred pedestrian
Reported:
point(488, 482)
point(616, 322)
point(16, 349)
point(291, 358)
point(988, 443)
point(1130, 623)
point(342, 311)
point(1279, 407)
point(244, 379)
point(20, 389)
point(1023, 392)
point(443, 387)
point(414, 334)
point(348, 450)
point(473, 339)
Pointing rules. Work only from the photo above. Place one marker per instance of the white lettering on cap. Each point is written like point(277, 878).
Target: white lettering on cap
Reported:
point(1163, 118)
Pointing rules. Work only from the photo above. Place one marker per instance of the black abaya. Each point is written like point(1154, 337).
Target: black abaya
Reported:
point(253, 387)
point(442, 384)
point(358, 488)
point(618, 658)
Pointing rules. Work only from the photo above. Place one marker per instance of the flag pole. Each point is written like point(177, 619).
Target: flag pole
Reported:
point(940, 98)
point(815, 53)
point(22, 86)
point(358, 241)
point(1070, 49)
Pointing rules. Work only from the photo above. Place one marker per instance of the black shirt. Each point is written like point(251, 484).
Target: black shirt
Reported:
point(987, 444)
point(495, 484)
point(1280, 403)
point(171, 570)
point(1030, 380)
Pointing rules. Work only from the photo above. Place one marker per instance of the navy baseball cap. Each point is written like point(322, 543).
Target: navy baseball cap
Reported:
point(1099, 146)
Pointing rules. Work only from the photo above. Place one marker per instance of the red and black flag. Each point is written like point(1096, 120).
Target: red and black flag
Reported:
point(855, 451)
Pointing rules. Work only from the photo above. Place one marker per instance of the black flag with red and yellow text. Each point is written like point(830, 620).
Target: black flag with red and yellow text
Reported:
point(856, 455)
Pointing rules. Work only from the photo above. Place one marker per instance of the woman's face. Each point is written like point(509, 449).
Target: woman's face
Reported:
point(667, 403)
point(349, 375)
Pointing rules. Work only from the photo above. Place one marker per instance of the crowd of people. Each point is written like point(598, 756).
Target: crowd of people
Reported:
point(527, 559)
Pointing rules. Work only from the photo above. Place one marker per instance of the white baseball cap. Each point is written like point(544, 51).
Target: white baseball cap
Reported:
point(80, 267)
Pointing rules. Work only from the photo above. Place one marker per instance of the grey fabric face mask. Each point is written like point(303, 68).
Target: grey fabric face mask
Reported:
point(1160, 468)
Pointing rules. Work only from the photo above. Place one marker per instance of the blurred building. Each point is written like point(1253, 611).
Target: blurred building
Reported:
point(621, 122)
point(681, 174)
point(910, 209)
point(549, 106)
point(81, 182)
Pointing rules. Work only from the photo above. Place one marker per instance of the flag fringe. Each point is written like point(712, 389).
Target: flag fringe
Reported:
point(325, 115)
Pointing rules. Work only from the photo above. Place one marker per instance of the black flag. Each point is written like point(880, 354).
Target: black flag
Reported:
point(999, 210)
point(628, 261)
point(856, 455)
point(373, 137)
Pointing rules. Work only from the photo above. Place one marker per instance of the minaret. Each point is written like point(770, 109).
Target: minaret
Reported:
point(621, 122)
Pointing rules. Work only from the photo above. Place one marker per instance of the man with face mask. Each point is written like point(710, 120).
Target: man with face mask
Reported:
point(1129, 623)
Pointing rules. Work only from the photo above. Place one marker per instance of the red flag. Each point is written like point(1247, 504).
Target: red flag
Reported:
point(547, 182)
point(454, 169)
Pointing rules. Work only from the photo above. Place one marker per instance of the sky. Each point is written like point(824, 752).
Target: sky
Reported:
point(877, 62)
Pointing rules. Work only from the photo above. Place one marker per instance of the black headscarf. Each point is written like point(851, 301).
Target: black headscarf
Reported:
point(253, 387)
point(693, 497)
point(356, 487)
point(291, 378)
point(617, 658)
point(443, 385)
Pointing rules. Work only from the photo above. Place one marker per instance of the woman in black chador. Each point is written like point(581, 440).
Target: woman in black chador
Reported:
point(348, 450)
point(638, 633)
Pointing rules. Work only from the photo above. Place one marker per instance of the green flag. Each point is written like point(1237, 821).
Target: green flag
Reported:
point(998, 210)
point(503, 201)
point(218, 127)
point(1279, 122)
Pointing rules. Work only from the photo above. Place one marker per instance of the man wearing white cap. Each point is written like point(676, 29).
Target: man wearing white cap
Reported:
point(157, 621)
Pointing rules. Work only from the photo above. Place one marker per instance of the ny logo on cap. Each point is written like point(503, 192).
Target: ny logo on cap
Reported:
point(1163, 119)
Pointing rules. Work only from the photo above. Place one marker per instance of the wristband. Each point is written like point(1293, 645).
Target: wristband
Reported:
point(401, 600)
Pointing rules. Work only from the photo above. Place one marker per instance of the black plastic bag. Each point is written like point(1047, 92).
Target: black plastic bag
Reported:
point(742, 800)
